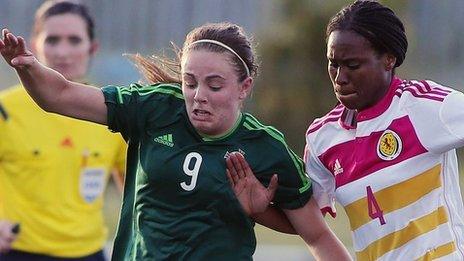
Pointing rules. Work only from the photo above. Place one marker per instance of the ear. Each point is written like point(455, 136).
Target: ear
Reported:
point(245, 88)
point(390, 61)
point(94, 47)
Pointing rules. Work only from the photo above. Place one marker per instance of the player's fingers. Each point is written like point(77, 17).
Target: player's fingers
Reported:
point(12, 39)
point(273, 184)
point(22, 61)
point(230, 178)
point(244, 165)
point(4, 33)
point(230, 166)
point(21, 44)
point(237, 164)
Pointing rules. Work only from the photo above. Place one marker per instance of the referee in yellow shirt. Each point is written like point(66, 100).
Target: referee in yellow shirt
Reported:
point(54, 169)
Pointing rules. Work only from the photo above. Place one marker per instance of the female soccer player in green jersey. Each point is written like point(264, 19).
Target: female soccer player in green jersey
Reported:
point(178, 203)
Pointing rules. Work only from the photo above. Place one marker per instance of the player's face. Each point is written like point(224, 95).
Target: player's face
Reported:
point(359, 75)
point(212, 91)
point(64, 45)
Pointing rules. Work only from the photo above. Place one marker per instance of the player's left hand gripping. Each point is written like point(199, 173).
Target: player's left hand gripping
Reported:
point(14, 51)
point(252, 195)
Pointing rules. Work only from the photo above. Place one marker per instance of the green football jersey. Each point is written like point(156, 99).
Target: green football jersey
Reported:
point(178, 203)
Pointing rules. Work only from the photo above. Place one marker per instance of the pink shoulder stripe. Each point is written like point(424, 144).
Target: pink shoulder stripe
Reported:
point(436, 88)
point(429, 96)
point(334, 111)
point(315, 126)
point(424, 90)
point(421, 89)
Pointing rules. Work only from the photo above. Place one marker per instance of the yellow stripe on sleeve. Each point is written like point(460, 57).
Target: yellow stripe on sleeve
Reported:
point(395, 197)
point(438, 252)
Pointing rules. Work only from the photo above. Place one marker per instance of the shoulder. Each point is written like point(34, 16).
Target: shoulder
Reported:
point(121, 94)
point(423, 90)
point(253, 125)
point(331, 117)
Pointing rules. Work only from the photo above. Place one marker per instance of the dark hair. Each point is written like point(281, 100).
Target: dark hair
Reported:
point(53, 7)
point(232, 35)
point(375, 22)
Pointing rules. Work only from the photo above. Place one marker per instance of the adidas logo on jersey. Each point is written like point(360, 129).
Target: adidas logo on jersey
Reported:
point(337, 168)
point(165, 140)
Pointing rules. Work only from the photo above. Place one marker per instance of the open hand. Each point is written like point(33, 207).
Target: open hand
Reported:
point(14, 50)
point(252, 195)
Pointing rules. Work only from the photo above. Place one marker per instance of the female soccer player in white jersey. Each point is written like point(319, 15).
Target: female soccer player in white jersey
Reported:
point(386, 153)
point(178, 204)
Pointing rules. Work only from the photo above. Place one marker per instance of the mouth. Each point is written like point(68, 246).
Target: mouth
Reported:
point(201, 114)
point(345, 93)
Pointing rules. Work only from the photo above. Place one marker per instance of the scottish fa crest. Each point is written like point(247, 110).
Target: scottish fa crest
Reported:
point(389, 145)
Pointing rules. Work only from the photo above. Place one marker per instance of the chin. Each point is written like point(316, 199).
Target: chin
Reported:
point(349, 104)
point(203, 128)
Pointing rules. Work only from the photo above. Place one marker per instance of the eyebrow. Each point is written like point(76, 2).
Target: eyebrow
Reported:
point(210, 77)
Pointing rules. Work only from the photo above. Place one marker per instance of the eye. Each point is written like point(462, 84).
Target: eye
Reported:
point(75, 40)
point(353, 66)
point(215, 88)
point(52, 40)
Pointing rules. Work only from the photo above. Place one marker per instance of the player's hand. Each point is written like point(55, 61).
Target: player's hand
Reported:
point(14, 51)
point(251, 194)
point(7, 235)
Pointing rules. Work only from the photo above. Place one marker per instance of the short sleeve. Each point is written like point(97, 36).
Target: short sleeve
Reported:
point(122, 104)
point(132, 108)
point(439, 124)
point(323, 182)
point(294, 186)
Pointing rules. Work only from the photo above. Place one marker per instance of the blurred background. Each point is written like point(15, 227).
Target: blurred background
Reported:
point(293, 87)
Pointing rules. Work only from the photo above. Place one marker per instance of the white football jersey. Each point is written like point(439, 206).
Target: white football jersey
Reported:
point(393, 167)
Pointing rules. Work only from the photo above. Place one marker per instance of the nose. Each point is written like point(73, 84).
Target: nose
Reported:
point(341, 76)
point(62, 49)
point(200, 95)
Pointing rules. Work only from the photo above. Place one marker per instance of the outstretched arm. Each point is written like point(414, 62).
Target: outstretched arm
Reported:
point(254, 197)
point(49, 89)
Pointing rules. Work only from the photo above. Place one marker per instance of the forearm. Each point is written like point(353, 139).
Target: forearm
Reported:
point(328, 247)
point(311, 226)
point(275, 219)
point(44, 85)
point(53, 93)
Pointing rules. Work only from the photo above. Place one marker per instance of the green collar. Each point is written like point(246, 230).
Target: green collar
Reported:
point(222, 136)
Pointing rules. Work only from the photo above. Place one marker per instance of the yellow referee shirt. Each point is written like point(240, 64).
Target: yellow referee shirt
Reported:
point(53, 172)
